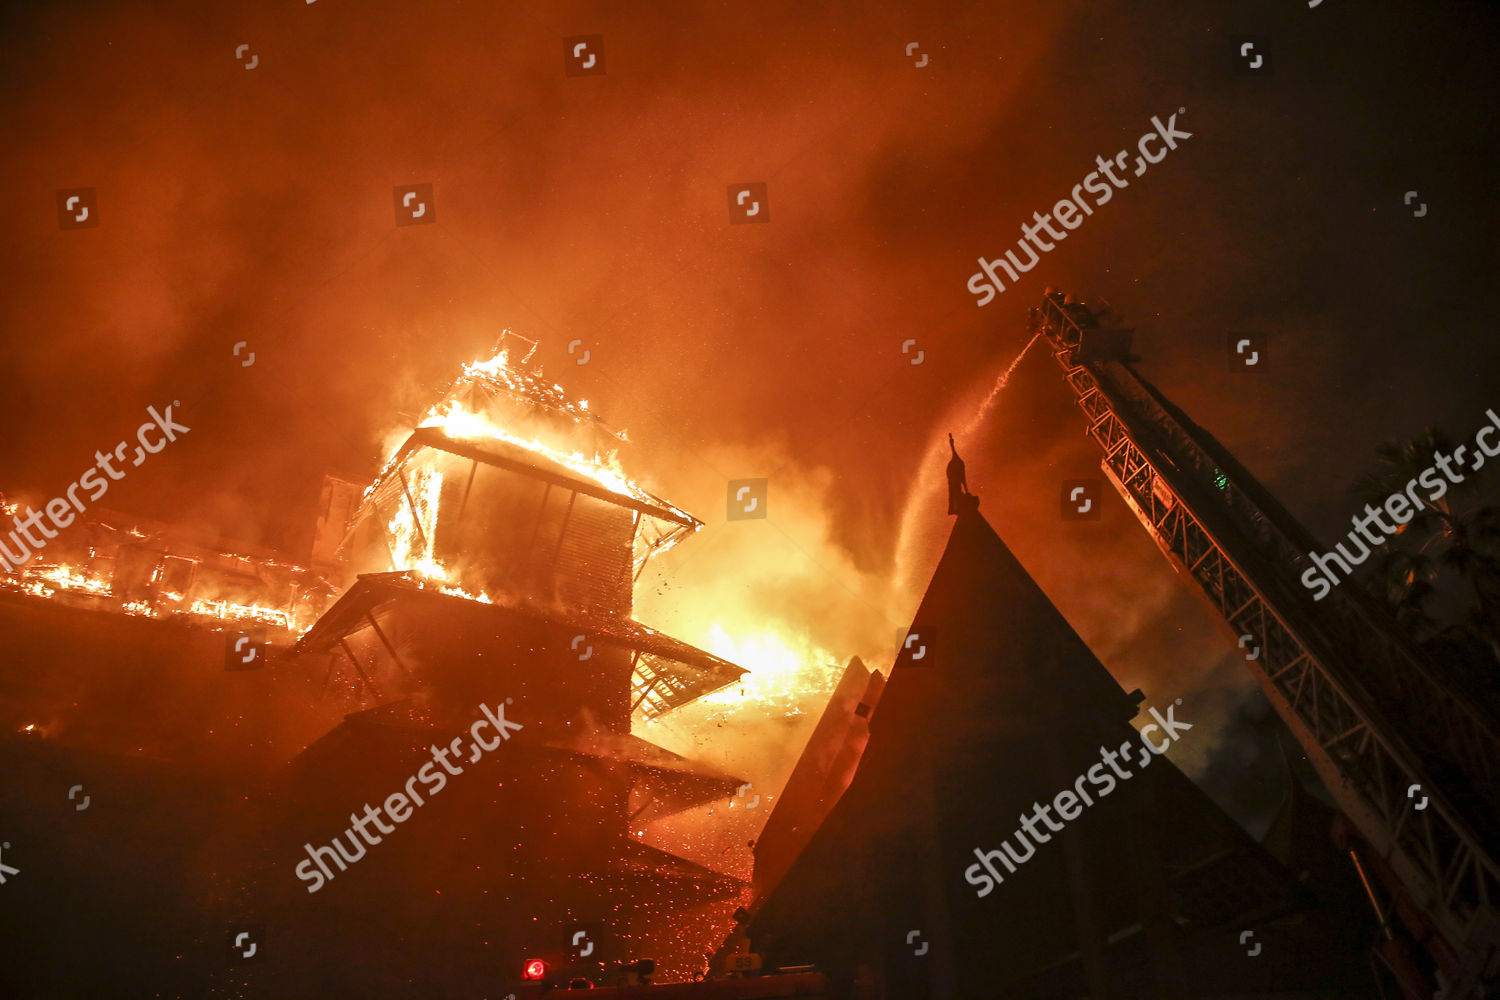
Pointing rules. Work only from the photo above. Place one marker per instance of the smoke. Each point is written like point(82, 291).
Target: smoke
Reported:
point(256, 206)
point(923, 508)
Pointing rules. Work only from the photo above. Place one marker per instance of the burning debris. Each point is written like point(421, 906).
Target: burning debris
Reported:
point(109, 562)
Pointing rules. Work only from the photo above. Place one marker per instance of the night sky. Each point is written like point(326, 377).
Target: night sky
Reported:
point(256, 205)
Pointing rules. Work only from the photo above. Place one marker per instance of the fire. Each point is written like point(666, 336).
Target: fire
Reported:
point(52, 580)
point(46, 580)
point(409, 548)
point(458, 422)
point(481, 597)
point(497, 371)
point(496, 377)
point(69, 578)
point(411, 536)
point(241, 612)
point(497, 403)
point(785, 672)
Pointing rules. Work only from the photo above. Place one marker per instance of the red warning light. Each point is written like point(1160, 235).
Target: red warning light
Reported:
point(535, 969)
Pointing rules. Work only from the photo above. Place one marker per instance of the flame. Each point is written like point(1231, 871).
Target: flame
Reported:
point(52, 580)
point(459, 422)
point(69, 578)
point(497, 371)
point(411, 527)
point(786, 670)
point(479, 596)
point(409, 548)
point(241, 612)
point(412, 535)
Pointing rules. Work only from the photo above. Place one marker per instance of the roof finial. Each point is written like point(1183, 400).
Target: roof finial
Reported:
point(959, 497)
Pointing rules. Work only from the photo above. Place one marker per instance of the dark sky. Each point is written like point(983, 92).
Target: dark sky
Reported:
point(256, 205)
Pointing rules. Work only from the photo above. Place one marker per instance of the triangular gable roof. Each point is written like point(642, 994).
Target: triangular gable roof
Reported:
point(1006, 707)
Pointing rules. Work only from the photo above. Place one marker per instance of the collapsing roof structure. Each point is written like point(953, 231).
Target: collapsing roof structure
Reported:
point(666, 672)
point(510, 418)
point(510, 495)
point(112, 562)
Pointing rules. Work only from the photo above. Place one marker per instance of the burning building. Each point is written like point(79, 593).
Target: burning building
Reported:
point(492, 560)
point(503, 496)
point(501, 557)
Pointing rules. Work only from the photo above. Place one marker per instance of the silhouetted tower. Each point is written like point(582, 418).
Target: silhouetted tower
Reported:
point(1385, 732)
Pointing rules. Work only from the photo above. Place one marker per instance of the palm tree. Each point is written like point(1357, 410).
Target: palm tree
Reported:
point(1406, 581)
point(1454, 536)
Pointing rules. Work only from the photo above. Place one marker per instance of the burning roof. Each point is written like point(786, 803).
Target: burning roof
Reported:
point(109, 562)
point(505, 417)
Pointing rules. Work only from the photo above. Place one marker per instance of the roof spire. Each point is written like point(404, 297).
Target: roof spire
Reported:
point(959, 497)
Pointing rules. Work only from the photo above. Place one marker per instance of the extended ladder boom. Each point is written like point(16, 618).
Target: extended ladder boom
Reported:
point(1338, 671)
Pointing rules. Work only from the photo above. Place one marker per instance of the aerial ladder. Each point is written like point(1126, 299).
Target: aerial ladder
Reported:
point(1412, 762)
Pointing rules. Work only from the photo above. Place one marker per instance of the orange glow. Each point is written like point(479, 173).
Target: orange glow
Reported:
point(493, 401)
point(57, 579)
point(409, 545)
point(785, 669)
point(461, 422)
point(241, 612)
point(48, 580)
